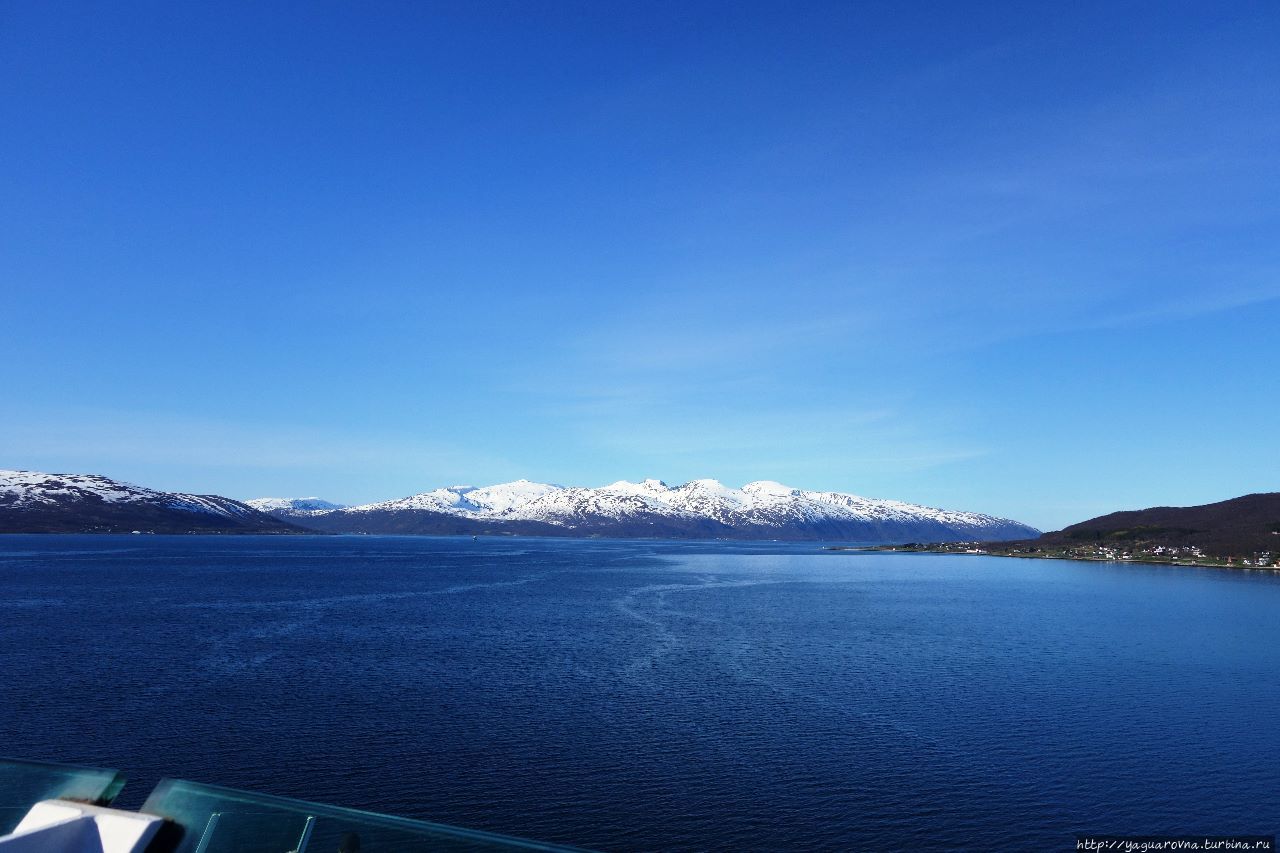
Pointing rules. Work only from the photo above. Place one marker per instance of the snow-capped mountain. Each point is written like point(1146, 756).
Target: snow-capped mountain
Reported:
point(291, 506)
point(32, 501)
point(700, 508)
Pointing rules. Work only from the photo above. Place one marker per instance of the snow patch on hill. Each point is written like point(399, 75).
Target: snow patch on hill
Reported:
point(33, 489)
point(288, 504)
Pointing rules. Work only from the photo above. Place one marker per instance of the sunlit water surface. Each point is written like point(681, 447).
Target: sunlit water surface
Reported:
point(656, 696)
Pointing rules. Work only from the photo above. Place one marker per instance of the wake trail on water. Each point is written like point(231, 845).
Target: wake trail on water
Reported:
point(224, 656)
point(364, 598)
point(648, 606)
point(666, 640)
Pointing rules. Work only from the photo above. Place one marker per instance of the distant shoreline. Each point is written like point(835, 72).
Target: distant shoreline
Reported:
point(976, 552)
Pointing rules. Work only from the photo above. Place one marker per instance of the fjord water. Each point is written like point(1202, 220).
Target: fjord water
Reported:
point(656, 696)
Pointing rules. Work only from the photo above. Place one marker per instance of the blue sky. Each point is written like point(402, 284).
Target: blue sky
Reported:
point(1016, 258)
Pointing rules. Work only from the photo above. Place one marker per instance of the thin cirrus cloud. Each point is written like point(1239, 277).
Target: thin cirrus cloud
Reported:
point(231, 456)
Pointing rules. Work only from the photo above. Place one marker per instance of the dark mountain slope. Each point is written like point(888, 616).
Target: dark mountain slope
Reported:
point(1241, 525)
point(34, 502)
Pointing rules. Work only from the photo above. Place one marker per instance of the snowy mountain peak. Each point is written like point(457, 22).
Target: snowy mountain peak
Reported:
point(711, 497)
point(644, 487)
point(37, 501)
point(505, 497)
point(770, 488)
point(311, 504)
point(29, 488)
point(711, 487)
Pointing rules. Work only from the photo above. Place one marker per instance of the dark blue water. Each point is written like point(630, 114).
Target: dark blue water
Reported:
point(650, 696)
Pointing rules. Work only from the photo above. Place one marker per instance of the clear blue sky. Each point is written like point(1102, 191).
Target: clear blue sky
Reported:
point(1018, 258)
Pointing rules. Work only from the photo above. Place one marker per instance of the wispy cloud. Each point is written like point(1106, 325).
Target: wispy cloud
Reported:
point(216, 452)
point(701, 340)
point(1227, 295)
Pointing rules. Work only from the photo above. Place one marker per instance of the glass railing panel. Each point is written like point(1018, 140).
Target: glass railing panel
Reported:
point(219, 820)
point(243, 829)
point(25, 783)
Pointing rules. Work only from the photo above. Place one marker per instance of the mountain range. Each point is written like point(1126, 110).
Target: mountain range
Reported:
point(651, 508)
point(1247, 527)
point(38, 502)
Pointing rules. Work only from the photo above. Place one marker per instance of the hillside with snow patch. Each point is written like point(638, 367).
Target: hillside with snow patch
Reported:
point(36, 502)
point(291, 505)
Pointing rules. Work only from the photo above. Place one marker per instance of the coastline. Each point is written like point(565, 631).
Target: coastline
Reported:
point(975, 551)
